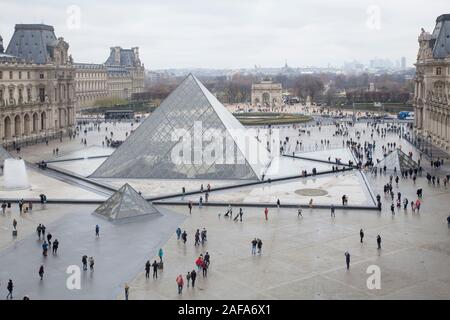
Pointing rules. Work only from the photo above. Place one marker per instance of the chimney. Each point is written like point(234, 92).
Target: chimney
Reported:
point(136, 53)
point(115, 52)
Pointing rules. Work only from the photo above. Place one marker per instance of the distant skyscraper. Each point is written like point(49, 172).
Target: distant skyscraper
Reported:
point(403, 62)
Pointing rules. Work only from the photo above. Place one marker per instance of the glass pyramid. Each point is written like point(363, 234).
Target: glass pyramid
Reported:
point(148, 151)
point(398, 161)
point(125, 203)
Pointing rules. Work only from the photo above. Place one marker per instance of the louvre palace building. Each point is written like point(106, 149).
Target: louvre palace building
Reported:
point(120, 76)
point(41, 88)
point(37, 85)
point(432, 85)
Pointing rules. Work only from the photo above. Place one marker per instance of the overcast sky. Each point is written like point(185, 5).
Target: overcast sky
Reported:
point(232, 33)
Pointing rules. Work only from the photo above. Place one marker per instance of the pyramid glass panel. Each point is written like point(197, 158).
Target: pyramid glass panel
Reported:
point(191, 108)
point(398, 161)
point(125, 203)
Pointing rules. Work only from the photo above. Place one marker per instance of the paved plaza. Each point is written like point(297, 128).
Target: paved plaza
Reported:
point(302, 257)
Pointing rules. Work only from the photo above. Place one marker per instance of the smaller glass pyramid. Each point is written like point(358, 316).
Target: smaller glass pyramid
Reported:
point(125, 203)
point(398, 161)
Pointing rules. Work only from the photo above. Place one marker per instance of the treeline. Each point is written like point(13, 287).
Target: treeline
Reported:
point(394, 96)
point(324, 87)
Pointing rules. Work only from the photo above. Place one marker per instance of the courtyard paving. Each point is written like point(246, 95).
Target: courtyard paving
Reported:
point(302, 258)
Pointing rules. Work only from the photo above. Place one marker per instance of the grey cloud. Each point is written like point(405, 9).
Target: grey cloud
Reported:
point(232, 33)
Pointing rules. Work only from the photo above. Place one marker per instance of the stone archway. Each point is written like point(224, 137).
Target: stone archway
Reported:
point(43, 121)
point(35, 122)
point(266, 98)
point(17, 126)
point(27, 124)
point(7, 128)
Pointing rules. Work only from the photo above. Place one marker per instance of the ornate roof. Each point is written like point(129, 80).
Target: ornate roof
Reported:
point(440, 38)
point(32, 42)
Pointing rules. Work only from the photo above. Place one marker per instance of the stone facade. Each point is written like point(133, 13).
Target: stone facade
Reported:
point(267, 94)
point(432, 85)
point(91, 84)
point(120, 76)
point(37, 88)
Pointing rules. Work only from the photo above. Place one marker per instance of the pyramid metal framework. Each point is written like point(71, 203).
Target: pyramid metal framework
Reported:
point(147, 153)
point(398, 161)
point(125, 203)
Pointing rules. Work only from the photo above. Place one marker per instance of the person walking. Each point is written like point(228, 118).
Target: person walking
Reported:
point(43, 228)
point(266, 212)
point(147, 269)
point(49, 238)
point(84, 261)
point(198, 262)
point(155, 266)
point(241, 213)
point(405, 204)
point(254, 243)
point(197, 238)
point(361, 235)
point(418, 205)
point(127, 291)
point(44, 248)
point(299, 213)
point(278, 203)
point(332, 211)
point(193, 277)
point(188, 278)
point(55, 246)
point(15, 224)
point(91, 263)
point(41, 272)
point(184, 236)
point(160, 255)
point(203, 236)
point(10, 288)
point(379, 242)
point(259, 245)
point(97, 230)
point(39, 230)
point(180, 283)
point(392, 208)
point(178, 232)
point(190, 207)
point(205, 268)
point(347, 259)
point(206, 259)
